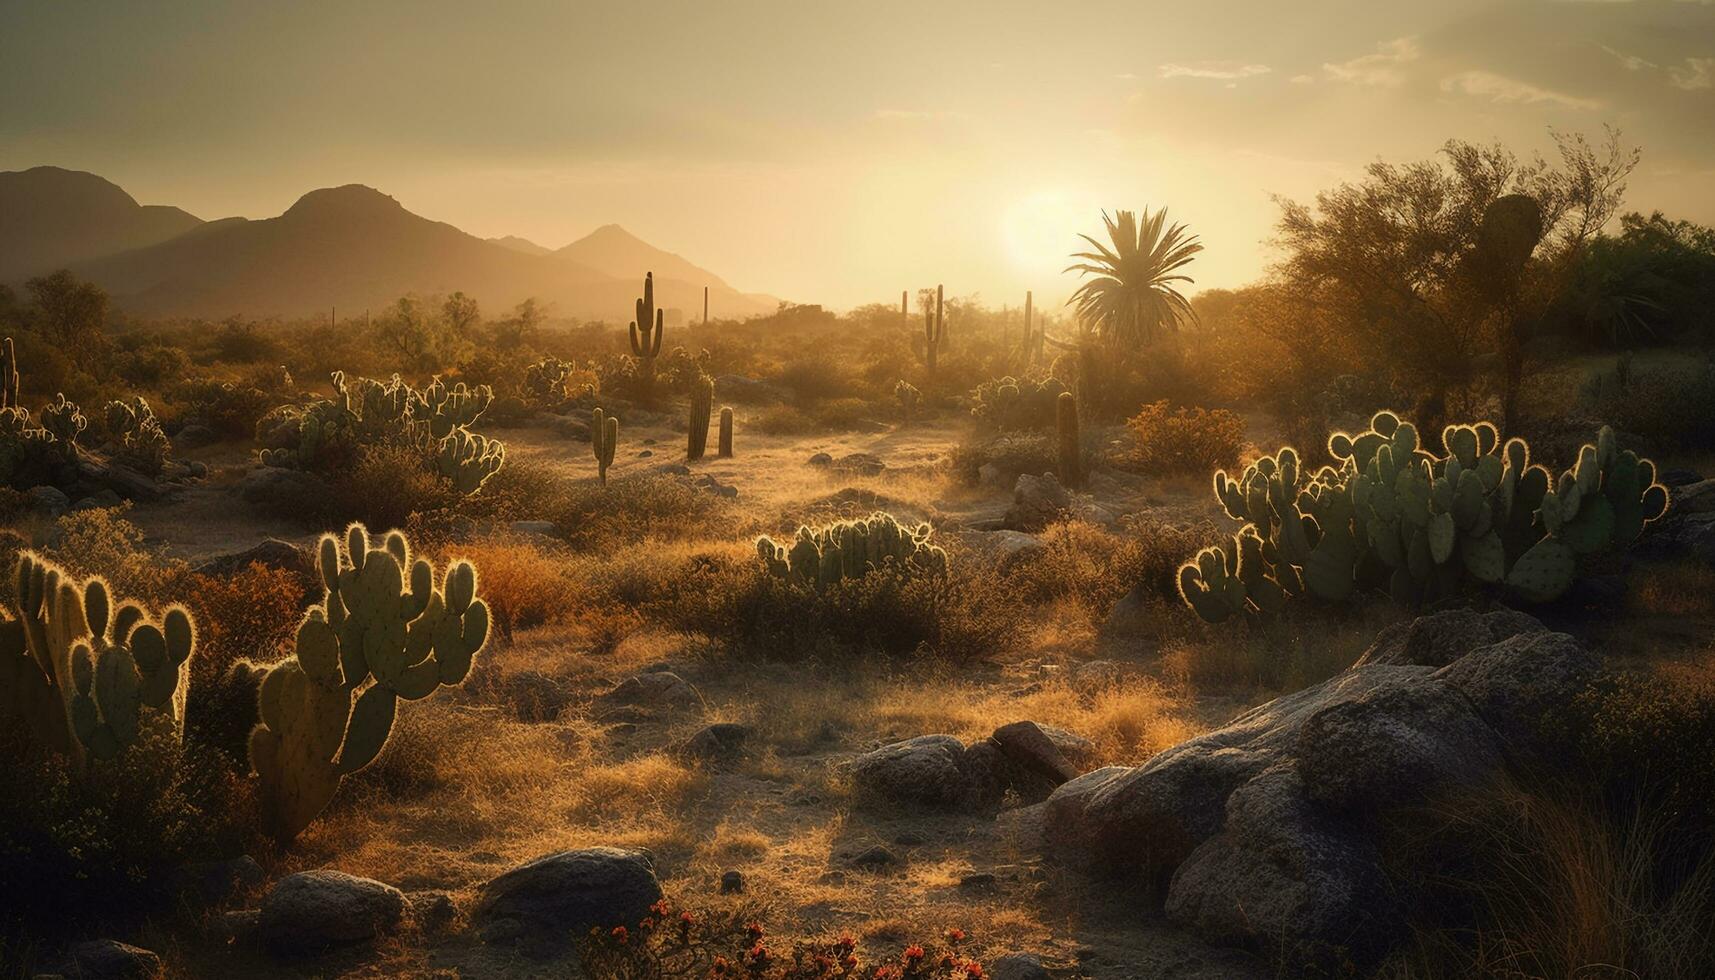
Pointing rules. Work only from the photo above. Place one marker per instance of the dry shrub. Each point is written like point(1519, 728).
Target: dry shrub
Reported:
point(1186, 440)
point(103, 543)
point(1011, 453)
point(816, 377)
point(385, 485)
point(785, 420)
point(965, 614)
point(524, 586)
point(253, 615)
point(630, 509)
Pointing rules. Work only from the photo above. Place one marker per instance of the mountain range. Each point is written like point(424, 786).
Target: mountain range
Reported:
point(348, 248)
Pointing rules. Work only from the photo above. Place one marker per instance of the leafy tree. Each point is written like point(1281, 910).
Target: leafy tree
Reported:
point(519, 329)
point(1656, 279)
point(1132, 299)
point(460, 313)
point(1397, 261)
point(69, 313)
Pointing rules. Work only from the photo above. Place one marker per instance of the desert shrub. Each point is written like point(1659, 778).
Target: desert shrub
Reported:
point(151, 365)
point(815, 377)
point(384, 486)
point(524, 586)
point(101, 843)
point(252, 615)
point(1094, 567)
point(1010, 453)
point(784, 420)
point(101, 542)
point(632, 508)
point(1017, 403)
point(963, 615)
point(1185, 440)
point(1672, 410)
point(229, 409)
point(728, 942)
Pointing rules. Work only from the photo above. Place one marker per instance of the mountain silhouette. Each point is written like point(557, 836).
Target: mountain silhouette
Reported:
point(353, 248)
point(51, 217)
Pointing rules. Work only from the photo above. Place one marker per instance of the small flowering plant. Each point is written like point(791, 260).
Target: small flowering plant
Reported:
point(734, 945)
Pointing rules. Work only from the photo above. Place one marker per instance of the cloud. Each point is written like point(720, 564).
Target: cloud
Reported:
point(1631, 62)
point(1499, 88)
point(1696, 73)
point(1381, 69)
point(1219, 70)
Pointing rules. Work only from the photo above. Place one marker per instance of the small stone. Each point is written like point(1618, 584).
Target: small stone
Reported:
point(1018, 966)
point(732, 883)
point(821, 459)
point(543, 528)
point(314, 910)
point(722, 740)
point(100, 500)
point(875, 856)
point(109, 959)
point(978, 880)
point(645, 454)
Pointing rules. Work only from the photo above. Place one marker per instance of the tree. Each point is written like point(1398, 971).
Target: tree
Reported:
point(519, 329)
point(1133, 300)
point(460, 313)
point(408, 331)
point(1397, 261)
point(70, 313)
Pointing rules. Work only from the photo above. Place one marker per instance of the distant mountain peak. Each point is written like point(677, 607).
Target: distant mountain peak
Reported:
point(347, 200)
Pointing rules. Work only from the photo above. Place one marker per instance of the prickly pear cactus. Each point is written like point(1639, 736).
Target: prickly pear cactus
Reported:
point(64, 422)
point(468, 460)
point(1424, 524)
point(822, 556)
point(83, 674)
point(384, 630)
point(141, 441)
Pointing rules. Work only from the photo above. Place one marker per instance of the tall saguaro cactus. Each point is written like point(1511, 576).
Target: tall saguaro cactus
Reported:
point(646, 332)
point(702, 403)
point(726, 432)
point(604, 437)
point(934, 333)
point(380, 634)
point(8, 375)
point(1070, 455)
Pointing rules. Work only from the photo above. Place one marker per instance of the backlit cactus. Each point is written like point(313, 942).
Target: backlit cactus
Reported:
point(1423, 524)
point(934, 333)
point(64, 422)
point(1017, 403)
point(702, 403)
point(908, 397)
point(824, 555)
point(141, 441)
point(84, 674)
point(726, 433)
point(1069, 453)
point(604, 438)
point(469, 459)
point(383, 631)
point(646, 333)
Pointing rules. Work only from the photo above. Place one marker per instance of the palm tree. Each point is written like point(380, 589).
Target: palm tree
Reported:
point(1132, 298)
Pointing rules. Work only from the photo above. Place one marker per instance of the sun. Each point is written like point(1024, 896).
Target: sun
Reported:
point(1041, 230)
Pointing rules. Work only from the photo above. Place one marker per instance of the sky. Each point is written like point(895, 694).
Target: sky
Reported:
point(838, 153)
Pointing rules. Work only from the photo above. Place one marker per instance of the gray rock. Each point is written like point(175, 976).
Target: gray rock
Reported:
point(658, 690)
point(544, 529)
point(929, 770)
point(270, 553)
point(279, 488)
point(1693, 498)
point(1029, 747)
point(109, 959)
point(1008, 547)
point(48, 502)
point(564, 895)
point(1279, 872)
point(821, 459)
point(709, 484)
point(1438, 639)
point(314, 910)
point(121, 479)
point(195, 436)
point(1516, 683)
point(732, 883)
point(1037, 501)
point(100, 500)
point(722, 740)
point(866, 464)
point(874, 856)
point(1018, 966)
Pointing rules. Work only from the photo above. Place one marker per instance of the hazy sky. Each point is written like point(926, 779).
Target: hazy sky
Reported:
point(838, 153)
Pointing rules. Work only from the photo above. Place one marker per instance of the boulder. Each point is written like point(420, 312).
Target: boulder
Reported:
point(108, 959)
point(1029, 747)
point(929, 770)
point(820, 459)
point(315, 910)
point(657, 690)
point(1037, 501)
point(195, 436)
point(1280, 869)
point(270, 553)
point(280, 489)
point(1694, 498)
point(100, 500)
point(565, 894)
point(48, 502)
point(1018, 966)
point(1438, 639)
point(720, 741)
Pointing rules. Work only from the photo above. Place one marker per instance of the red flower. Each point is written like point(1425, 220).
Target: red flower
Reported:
point(886, 971)
point(846, 941)
point(662, 908)
point(646, 925)
point(619, 933)
point(913, 953)
point(955, 935)
point(974, 970)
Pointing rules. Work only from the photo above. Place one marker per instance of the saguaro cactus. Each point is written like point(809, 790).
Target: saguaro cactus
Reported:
point(8, 375)
point(646, 333)
point(726, 432)
point(702, 402)
point(934, 333)
point(604, 436)
point(399, 635)
point(1070, 453)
